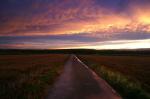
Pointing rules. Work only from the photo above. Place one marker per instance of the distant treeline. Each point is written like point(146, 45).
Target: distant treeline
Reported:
point(75, 51)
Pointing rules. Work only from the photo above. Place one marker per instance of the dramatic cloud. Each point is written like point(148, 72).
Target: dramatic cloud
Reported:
point(63, 21)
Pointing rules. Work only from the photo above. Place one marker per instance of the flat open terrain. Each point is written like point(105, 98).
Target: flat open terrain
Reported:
point(28, 76)
point(33, 76)
point(135, 68)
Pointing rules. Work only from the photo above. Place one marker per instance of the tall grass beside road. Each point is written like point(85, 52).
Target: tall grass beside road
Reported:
point(122, 78)
point(28, 76)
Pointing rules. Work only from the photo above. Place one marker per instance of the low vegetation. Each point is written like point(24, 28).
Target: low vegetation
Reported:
point(129, 75)
point(140, 52)
point(28, 76)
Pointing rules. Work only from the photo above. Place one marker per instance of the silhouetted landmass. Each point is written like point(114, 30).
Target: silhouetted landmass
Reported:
point(144, 52)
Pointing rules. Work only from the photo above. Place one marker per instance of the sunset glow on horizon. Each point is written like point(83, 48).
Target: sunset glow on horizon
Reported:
point(94, 24)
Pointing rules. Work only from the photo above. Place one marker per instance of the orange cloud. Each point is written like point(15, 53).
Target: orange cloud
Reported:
point(84, 17)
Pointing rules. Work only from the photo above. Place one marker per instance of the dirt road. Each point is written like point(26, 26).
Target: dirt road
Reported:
point(79, 82)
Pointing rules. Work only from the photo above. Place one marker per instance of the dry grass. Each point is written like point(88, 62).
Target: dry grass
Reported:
point(28, 76)
point(135, 70)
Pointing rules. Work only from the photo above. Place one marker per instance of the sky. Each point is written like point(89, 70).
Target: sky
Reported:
point(65, 24)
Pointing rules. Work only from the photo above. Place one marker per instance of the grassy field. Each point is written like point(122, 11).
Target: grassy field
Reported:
point(29, 76)
point(129, 75)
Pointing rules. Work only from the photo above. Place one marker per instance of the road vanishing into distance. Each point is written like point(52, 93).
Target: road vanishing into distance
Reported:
point(79, 82)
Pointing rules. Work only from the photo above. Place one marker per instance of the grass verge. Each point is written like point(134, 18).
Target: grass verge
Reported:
point(29, 76)
point(127, 88)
